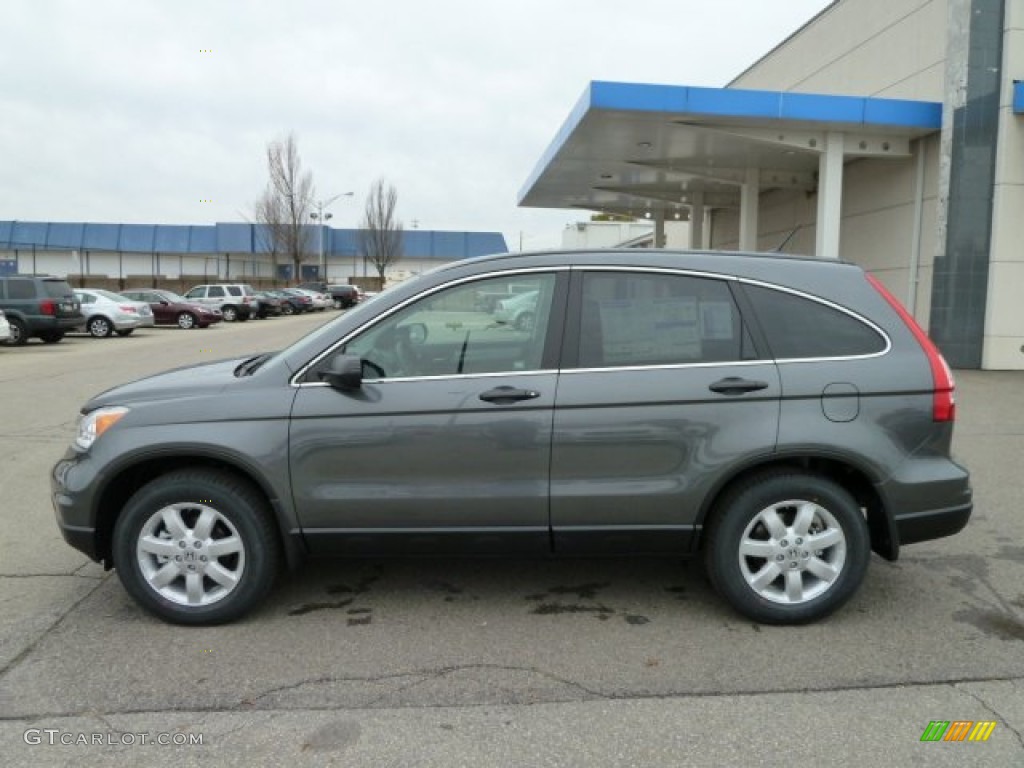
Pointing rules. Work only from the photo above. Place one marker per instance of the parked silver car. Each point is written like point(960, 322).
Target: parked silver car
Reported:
point(107, 313)
point(5, 327)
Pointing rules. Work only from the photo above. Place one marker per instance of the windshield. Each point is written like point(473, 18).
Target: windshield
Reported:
point(170, 296)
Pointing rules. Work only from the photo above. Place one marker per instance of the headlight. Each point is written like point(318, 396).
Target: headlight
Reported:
point(95, 423)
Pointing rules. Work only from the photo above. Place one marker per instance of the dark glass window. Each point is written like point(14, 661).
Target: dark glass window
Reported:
point(215, 291)
point(632, 319)
point(57, 289)
point(799, 328)
point(20, 289)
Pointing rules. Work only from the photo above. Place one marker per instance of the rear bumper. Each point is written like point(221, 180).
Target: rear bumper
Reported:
point(927, 499)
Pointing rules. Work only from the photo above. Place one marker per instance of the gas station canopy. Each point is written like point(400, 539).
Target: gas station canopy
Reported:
point(662, 151)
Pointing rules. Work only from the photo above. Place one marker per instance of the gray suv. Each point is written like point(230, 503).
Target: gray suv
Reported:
point(779, 417)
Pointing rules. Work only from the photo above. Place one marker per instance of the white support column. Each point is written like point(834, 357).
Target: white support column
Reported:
point(830, 197)
point(749, 194)
point(659, 229)
point(696, 237)
point(705, 241)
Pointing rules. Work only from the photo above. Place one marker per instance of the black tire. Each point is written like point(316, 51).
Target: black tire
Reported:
point(759, 587)
point(186, 320)
point(243, 520)
point(287, 308)
point(99, 327)
point(19, 333)
point(230, 313)
point(51, 337)
point(125, 332)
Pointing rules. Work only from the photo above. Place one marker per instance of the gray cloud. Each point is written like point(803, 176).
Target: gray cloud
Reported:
point(112, 111)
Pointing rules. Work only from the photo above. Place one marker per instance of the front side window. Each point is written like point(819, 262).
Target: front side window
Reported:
point(486, 326)
point(639, 319)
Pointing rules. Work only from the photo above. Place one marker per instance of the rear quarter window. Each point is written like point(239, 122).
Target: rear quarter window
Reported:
point(57, 289)
point(21, 289)
point(798, 327)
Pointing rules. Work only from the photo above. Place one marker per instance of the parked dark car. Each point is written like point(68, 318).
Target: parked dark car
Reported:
point(171, 309)
point(779, 417)
point(304, 298)
point(269, 305)
point(292, 304)
point(38, 306)
point(343, 296)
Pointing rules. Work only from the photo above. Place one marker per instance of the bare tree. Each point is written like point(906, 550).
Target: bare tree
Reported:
point(380, 232)
point(283, 209)
point(270, 230)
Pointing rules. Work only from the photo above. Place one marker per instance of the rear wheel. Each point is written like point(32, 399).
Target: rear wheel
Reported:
point(196, 547)
point(787, 547)
point(186, 320)
point(99, 327)
point(287, 308)
point(19, 333)
point(51, 337)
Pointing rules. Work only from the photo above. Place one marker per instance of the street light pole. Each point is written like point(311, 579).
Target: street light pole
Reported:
point(322, 219)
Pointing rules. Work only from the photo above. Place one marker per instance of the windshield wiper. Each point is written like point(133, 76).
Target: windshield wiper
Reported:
point(250, 366)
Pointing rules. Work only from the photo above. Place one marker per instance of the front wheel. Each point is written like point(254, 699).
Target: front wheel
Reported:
point(99, 327)
point(196, 547)
point(230, 314)
point(787, 547)
point(186, 320)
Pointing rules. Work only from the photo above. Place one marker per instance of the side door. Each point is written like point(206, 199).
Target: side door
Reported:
point(663, 390)
point(446, 447)
point(198, 295)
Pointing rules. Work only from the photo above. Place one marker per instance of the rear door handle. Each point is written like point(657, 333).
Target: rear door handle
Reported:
point(734, 385)
point(507, 395)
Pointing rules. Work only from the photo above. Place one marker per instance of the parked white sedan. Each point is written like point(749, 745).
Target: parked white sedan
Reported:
point(5, 328)
point(107, 313)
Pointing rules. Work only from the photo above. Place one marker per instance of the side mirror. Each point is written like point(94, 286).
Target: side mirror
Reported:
point(345, 373)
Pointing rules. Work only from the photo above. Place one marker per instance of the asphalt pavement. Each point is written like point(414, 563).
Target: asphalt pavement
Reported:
point(486, 662)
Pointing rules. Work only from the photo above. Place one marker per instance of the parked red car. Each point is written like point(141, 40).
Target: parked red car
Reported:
point(171, 309)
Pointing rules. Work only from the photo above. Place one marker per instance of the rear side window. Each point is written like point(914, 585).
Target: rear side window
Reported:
point(638, 319)
point(57, 289)
point(214, 291)
point(798, 327)
point(20, 289)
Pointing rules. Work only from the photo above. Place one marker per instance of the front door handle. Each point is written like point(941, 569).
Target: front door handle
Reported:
point(507, 395)
point(734, 385)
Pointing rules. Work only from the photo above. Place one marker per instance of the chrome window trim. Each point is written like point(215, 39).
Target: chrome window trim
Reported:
point(451, 377)
point(609, 268)
point(294, 381)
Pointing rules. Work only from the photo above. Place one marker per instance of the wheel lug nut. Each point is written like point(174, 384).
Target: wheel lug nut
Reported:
point(181, 544)
point(199, 544)
point(799, 542)
point(780, 558)
point(203, 557)
point(784, 543)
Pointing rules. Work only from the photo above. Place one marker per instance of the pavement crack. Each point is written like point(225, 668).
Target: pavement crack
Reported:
point(45, 633)
point(978, 698)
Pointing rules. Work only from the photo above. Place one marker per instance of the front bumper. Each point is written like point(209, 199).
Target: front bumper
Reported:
point(71, 497)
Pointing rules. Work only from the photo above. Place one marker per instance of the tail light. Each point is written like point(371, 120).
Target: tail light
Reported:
point(48, 307)
point(943, 396)
point(127, 308)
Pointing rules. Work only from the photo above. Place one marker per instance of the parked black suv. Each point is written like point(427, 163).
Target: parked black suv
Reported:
point(779, 417)
point(38, 306)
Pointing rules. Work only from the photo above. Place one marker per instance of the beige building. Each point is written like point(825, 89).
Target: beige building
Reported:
point(883, 132)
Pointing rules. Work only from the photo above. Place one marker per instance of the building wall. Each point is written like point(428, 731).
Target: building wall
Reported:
point(1004, 312)
point(875, 48)
point(884, 48)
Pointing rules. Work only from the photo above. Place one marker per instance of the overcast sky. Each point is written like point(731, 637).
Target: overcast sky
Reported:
point(159, 111)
